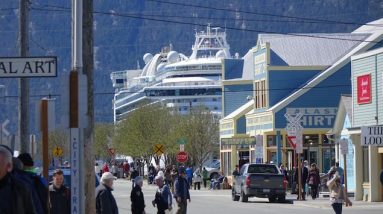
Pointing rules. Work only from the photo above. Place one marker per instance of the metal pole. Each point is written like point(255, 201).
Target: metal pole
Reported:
point(299, 177)
point(345, 174)
point(24, 82)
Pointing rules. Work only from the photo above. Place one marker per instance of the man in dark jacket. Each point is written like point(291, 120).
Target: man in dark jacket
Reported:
point(304, 175)
point(105, 202)
point(181, 192)
point(137, 197)
point(15, 197)
point(163, 196)
point(59, 194)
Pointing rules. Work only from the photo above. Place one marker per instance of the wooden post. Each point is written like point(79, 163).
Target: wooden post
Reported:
point(345, 174)
point(44, 131)
point(299, 177)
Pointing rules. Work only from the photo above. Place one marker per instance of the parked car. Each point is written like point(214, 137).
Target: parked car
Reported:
point(213, 168)
point(259, 180)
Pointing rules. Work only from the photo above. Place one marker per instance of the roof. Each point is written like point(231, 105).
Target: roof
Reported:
point(310, 49)
point(247, 69)
point(346, 100)
point(243, 109)
point(363, 46)
point(371, 27)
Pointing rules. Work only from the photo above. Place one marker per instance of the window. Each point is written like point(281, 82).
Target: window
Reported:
point(366, 170)
point(272, 140)
point(260, 94)
point(263, 169)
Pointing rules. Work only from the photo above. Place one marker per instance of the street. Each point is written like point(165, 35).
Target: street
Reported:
point(219, 201)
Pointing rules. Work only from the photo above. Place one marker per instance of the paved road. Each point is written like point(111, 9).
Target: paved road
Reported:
point(219, 201)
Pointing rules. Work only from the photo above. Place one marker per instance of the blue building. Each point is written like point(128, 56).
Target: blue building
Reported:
point(304, 74)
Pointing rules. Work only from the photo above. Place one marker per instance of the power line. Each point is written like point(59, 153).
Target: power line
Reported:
point(204, 25)
point(263, 14)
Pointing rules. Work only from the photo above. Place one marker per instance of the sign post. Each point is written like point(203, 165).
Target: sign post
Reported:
point(294, 137)
point(343, 143)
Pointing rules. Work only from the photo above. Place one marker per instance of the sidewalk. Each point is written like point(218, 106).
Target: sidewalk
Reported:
point(324, 202)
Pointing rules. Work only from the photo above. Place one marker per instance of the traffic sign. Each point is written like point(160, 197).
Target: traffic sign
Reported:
point(159, 149)
point(294, 132)
point(182, 147)
point(181, 141)
point(343, 143)
point(182, 157)
point(57, 151)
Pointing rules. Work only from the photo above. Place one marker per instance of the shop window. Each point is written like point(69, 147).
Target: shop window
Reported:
point(366, 170)
point(310, 140)
point(226, 166)
point(272, 140)
point(260, 94)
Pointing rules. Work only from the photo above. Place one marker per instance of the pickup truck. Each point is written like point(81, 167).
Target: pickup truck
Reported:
point(259, 180)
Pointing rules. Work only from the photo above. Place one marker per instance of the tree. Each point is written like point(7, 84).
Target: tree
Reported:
point(59, 138)
point(200, 128)
point(145, 127)
point(103, 134)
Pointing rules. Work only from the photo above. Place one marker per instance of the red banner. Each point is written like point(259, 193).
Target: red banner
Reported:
point(364, 89)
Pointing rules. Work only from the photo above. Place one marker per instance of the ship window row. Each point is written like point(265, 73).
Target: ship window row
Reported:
point(130, 99)
point(184, 92)
point(194, 67)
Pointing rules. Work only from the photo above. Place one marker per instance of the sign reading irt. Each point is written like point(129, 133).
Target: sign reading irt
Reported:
point(28, 67)
point(182, 157)
point(364, 89)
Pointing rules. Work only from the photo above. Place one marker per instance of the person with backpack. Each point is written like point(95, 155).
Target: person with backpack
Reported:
point(163, 196)
point(59, 194)
point(38, 185)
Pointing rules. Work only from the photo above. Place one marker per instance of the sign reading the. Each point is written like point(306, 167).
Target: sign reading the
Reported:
point(182, 157)
point(28, 66)
point(159, 149)
point(372, 136)
point(364, 89)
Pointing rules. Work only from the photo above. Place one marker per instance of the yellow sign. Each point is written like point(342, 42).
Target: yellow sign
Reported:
point(159, 149)
point(57, 151)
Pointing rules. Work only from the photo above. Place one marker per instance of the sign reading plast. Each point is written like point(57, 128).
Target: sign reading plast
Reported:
point(28, 67)
point(364, 89)
point(315, 117)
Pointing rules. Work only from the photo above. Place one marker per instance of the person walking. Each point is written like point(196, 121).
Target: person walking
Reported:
point(181, 192)
point(137, 197)
point(38, 185)
point(338, 194)
point(15, 196)
point(59, 194)
point(304, 174)
point(163, 196)
point(205, 175)
point(105, 201)
point(189, 173)
point(197, 179)
point(313, 180)
point(105, 168)
point(174, 175)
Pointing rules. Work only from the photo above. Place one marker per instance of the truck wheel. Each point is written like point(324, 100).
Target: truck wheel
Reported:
point(281, 198)
point(272, 199)
point(234, 196)
point(244, 197)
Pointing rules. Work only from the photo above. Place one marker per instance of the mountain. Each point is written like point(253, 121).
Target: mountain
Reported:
point(124, 30)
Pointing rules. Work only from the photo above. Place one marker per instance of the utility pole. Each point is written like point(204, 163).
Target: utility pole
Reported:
point(24, 82)
point(89, 130)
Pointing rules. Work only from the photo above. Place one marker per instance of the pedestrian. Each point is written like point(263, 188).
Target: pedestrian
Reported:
point(163, 196)
point(174, 175)
point(152, 173)
point(126, 168)
point(15, 196)
point(105, 168)
point(133, 176)
point(338, 194)
point(236, 171)
point(205, 175)
point(304, 174)
point(168, 176)
point(189, 173)
point(97, 169)
point(38, 185)
point(105, 202)
point(137, 197)
point(59, 194)
point(197, 179)
point(313, 180)
point(181, 192)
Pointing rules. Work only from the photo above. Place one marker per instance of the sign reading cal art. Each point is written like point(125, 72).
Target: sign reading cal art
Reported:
point(315, 117)
point(372, 136)
point(28, 66)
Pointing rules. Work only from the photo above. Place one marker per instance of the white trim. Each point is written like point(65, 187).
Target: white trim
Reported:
point(244, 108)
point(367, 54)
point(328, 72)
point(296, 68)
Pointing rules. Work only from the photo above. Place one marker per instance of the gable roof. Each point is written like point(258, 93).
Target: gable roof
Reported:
point(247, 69)
point(241, 110)
point(311, 49)
point(363, 46)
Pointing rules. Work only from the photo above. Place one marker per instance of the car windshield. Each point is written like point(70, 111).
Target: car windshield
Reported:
point(262, 169)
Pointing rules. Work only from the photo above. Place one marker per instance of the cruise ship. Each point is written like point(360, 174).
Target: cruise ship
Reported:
point(174, 79)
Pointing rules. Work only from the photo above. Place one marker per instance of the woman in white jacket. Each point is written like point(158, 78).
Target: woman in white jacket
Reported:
point(338, 194)
point(197, 178)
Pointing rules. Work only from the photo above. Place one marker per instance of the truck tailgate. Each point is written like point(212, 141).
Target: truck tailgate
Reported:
point(266, 181)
